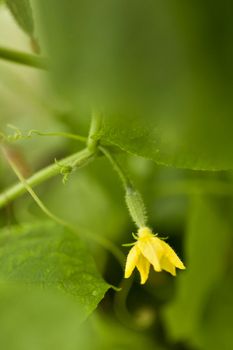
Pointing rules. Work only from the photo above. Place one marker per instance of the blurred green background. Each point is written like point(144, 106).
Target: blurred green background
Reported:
point(161, 72)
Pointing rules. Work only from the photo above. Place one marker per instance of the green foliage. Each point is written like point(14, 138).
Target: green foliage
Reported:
point(43, 320)
point(207, 245)
point(22, 12)
point(48, 256)
point(39, 319)
point(174, 140)
point(216, 328)
point(161, 75)
point(127, 59)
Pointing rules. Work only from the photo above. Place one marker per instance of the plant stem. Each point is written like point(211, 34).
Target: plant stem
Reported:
point(23, 58)
point(80, 159)
point(94, 133)
point(133, 198)
point(19, 136)
point(28, 188)
point(59, 134)
point(127, 184)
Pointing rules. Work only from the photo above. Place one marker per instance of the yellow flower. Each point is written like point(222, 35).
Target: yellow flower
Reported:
point(149, 249)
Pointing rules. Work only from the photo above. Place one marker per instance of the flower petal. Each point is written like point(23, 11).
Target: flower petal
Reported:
point(151, 251)
point(167, 265)
point(143, 266)
point(131, 261)
point(171, 256)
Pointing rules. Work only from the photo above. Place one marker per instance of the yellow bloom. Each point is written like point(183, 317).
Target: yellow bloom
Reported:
point(149, 249)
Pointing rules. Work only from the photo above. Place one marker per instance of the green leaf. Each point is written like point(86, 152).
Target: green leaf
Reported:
point(207, 243)
point(216, 328)
point(48, 256)
point(175, 140)
point(109, 49)
point(157, 60)
point(39, 319)
point(22, 12)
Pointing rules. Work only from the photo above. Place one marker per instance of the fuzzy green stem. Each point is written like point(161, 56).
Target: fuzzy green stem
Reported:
point(78, 159)
point(23, 58)
point(133, 198)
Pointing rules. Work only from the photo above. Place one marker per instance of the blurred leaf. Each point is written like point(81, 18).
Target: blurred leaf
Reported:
point(107, 49)
point(216, 327)
point(22, 12)
point(39, 319)
point(111, 334)
point(49, 256)
point(175, 141)
point(152, 59)
point(207, 243)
